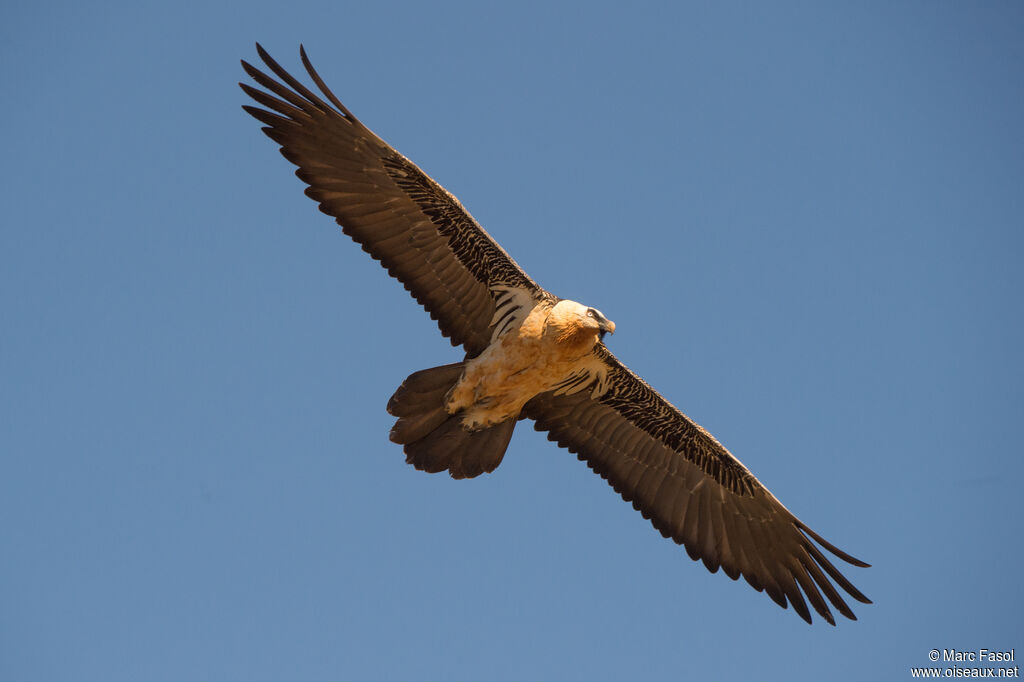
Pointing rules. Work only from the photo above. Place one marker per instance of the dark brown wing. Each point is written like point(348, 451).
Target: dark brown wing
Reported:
point(693, 490)
point(401, 217)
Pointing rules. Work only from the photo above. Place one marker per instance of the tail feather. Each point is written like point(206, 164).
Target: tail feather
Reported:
point(426, 388)
point(411, 428)
point(465, 454)
point(435, 440)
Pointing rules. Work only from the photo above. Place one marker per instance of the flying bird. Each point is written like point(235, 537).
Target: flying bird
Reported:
point(530, 354)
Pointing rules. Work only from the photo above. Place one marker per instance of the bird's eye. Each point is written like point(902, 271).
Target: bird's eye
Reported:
point(590, 312)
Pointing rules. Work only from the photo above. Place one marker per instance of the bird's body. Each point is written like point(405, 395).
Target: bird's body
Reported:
point(550, 344)
point(530, 354)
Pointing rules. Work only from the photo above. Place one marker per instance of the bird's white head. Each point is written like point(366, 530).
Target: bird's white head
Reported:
point(583, 317)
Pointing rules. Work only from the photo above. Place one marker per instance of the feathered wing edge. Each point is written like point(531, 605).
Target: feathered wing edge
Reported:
point(694, 491)
point(399, 215)
point(672, 471)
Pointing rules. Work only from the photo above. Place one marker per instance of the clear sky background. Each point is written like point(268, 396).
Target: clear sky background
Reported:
point(806, 221)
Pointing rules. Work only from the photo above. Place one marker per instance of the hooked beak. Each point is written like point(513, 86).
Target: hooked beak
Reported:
point(605, 326)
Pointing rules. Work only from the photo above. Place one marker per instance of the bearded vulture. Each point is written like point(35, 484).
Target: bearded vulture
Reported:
point(530, 354)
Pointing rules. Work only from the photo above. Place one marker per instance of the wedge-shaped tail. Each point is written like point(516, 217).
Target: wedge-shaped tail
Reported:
point(436, 441)
point(675, 473)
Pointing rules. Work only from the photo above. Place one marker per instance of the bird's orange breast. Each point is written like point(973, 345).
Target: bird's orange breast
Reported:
point(527, 360)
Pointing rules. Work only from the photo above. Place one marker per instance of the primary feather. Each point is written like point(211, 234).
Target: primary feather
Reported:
point(532, 355)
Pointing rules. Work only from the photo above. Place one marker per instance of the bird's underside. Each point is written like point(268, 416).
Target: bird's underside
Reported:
point(532, 355)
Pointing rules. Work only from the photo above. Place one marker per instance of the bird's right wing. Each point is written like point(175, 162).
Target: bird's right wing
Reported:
point(400, 216)
point(691, 488)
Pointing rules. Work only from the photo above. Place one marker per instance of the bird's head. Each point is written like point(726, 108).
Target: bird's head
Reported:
point(580, 321)
point(594, 318)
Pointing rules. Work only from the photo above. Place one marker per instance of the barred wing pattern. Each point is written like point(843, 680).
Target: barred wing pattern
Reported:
point(693, 490)
point(398, 214)
point(675, 473)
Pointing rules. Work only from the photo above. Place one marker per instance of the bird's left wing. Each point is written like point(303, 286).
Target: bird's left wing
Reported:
point(691, 488)
point(400, 216)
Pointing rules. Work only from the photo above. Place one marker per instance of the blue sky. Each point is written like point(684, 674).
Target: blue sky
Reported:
point(805, 221)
